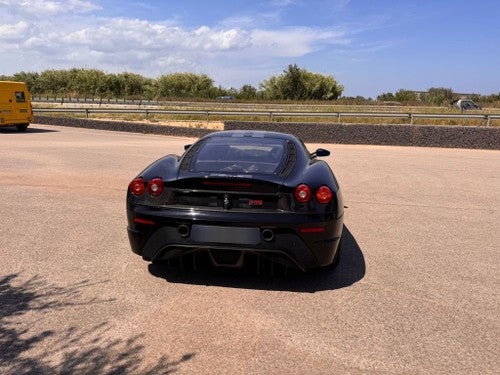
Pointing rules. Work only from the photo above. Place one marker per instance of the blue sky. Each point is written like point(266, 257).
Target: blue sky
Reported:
point(370, 47)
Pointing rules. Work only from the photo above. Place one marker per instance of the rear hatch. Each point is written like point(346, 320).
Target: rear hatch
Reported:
point(235, 172)
point(228, 192)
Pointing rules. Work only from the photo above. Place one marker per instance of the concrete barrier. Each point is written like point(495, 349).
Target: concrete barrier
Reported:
point(396, 135)
point(475, 137)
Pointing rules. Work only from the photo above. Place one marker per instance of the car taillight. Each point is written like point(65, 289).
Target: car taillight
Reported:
point(324, 194)
point(137, 186)
point(155, 186)
point(302, 193)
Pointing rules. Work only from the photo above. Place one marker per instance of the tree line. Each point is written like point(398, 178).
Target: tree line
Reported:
point(434, 96)
point(293, 84)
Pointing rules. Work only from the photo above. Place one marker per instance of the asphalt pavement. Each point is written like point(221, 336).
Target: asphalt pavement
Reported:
point(416, 290)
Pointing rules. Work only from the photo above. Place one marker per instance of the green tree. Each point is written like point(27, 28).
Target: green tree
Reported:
point(150, 89)
point(406, 96)
point(186, 85)
point(438, 96)
point(131, 84)
point(293, 83)
point(320, 87)
point(112, 86)
point(386, 97)
point(87, 82)
point(270, 89)
point(4, 77)
point(247, 92)
point(490, 99)
point(54, 82)
point(31, 79)
point(299, 84)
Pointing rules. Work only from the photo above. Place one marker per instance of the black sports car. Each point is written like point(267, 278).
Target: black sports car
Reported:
point(235, 194)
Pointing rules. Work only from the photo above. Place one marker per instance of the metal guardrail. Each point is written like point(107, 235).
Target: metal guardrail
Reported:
point(272, 114)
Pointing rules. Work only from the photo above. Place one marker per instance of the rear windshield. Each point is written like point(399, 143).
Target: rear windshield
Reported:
point(240, 155)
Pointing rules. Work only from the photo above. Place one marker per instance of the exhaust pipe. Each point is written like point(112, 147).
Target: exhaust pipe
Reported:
point(183, 230)
point(267, 235)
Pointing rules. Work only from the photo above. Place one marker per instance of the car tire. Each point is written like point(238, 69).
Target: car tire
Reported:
point(22, 127)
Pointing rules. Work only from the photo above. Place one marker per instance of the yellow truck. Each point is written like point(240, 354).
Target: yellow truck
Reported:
point(15, 105)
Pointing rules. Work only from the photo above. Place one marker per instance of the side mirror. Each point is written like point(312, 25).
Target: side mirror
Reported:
point(186, 147)
point(320, 152)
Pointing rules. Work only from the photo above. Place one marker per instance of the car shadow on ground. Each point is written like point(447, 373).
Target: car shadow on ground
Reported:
point(349, 270)
point(30, 130)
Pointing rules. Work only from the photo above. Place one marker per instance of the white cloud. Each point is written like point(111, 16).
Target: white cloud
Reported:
point(14, 32)
point(218, 40)
point(294, 42)
point(117, 35)
point(41, 8)
point(59, 37)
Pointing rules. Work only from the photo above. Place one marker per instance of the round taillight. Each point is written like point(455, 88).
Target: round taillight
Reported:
point(324, 194)
point(155, 186)
point(137, 186)
point(302, 193)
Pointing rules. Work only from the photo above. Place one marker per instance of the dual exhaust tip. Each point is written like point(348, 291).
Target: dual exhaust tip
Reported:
point(183, 231)
point(266, 234)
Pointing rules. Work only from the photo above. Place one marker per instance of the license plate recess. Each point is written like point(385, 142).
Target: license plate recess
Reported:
point(226, 235)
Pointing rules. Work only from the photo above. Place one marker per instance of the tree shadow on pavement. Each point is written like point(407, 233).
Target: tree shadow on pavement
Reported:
point(29, 349)
point(350, 270)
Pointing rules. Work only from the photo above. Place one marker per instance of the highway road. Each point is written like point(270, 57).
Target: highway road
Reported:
point(416, 291)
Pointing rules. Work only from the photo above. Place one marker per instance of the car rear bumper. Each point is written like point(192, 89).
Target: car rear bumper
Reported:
point(298, 240)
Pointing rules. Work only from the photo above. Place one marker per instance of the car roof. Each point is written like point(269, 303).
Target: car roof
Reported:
point(253, 134)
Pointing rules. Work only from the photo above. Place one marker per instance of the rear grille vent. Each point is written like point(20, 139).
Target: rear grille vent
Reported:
point(236, 201)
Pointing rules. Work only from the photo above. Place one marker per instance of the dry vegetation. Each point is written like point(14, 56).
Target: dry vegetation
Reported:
point(216, 121)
